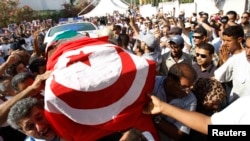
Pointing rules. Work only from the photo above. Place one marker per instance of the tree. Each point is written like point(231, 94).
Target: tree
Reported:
point(73, 10)
point(72, 2)
point(7, 8)
point(24, 13)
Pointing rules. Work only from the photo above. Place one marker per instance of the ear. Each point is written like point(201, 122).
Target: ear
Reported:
point(240, 39)
point(205, 39)
point(212, 55)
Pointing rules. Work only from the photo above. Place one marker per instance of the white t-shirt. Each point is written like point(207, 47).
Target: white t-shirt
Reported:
point(5, 48)
point(237, 69)
point(28, 43)
point(236, 113)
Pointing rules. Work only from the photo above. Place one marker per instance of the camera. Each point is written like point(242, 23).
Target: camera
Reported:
point(224, 19)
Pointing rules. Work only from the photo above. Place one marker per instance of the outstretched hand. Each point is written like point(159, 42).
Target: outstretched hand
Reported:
point(37, 84)
point(154, 106)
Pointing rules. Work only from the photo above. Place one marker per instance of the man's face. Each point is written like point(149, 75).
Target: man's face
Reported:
point(21, 68)
point(231, 18)
point(247, 48)
point(176, 50)
point(203, 57)
point(198, 38)
point(179, 89)
point(21, 86)
point(37, 126)
point(143, 45)
point(230, 42)
point(244, 18)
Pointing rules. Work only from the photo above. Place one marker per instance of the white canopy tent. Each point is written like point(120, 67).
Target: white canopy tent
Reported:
point(107, 6)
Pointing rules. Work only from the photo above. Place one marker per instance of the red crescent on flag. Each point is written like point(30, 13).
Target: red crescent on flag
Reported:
point(83, 91)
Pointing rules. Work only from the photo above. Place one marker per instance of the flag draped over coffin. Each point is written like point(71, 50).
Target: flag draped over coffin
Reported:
point(96, 89)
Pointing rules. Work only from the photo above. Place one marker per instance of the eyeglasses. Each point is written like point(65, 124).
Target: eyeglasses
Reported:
point(186, 88)
point(197, 37)
point(201, 55)
point(178, 85)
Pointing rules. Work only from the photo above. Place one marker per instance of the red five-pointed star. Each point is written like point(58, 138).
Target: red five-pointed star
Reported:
point(79, 57)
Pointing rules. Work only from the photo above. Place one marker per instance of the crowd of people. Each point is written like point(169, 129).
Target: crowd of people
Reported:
point(202, 74)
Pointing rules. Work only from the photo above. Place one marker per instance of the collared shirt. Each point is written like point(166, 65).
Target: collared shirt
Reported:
point(193, 56)
point(189, 102)
point(168, 61)
point(33, 139)
point(207, 73)
point(154, 56)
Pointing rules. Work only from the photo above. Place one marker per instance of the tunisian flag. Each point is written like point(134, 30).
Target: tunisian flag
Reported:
point(97, 89)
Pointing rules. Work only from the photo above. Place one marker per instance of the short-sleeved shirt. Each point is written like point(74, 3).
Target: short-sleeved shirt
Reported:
point(236, 113)
point(237, 69)
point(188, 102)
point(168, 61)
point(207, 73)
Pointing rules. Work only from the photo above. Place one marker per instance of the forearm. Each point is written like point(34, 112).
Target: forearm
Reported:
point(194, 120)
point(5, 107)
point(3, 67)
point(170, 130)
point(136, 30)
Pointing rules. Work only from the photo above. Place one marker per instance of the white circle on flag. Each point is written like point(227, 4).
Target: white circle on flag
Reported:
point(92, 116)
point(82, 77)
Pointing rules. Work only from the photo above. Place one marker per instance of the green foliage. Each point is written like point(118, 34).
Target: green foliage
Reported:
point(186, 1)
point(181, 1)
point(7, 8)
point(11, 13)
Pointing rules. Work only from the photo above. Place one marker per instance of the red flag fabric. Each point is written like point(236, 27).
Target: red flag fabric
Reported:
point(97, 89)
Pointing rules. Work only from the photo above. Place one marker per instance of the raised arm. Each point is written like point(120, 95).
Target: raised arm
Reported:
point(194, 120)
point(29, 91)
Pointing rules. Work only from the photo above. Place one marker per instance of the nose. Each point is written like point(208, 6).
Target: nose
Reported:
point(40, 127)
point(248, 52)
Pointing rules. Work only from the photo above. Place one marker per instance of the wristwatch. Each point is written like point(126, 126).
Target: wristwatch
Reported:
point(157, 119)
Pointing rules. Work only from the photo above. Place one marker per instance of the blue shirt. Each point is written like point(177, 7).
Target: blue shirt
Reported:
point(189, 102)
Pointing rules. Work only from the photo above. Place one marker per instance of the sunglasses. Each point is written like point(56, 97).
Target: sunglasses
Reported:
point(201, 55)
point(197, 37)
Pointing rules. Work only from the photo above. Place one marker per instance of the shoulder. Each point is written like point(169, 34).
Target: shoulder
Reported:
point(186, 55)
point(160, 79)
point(166, 55)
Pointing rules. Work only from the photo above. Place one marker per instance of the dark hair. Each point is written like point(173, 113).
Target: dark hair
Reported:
point(135, 135)
point(201, 30)
point(123, 40)
point(21, 110)
point(182, 69)
point(12, 69)
point(235, 31)
point(36, 63)
point(20, 78)
point(248, 14)
point(207, 46)
point(3, 86)
point(118, 27)
point(16, 46)
point(231, 12)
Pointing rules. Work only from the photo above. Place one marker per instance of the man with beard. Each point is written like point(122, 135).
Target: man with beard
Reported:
point(27, 116)
point(175, 89)
point(175, 55)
